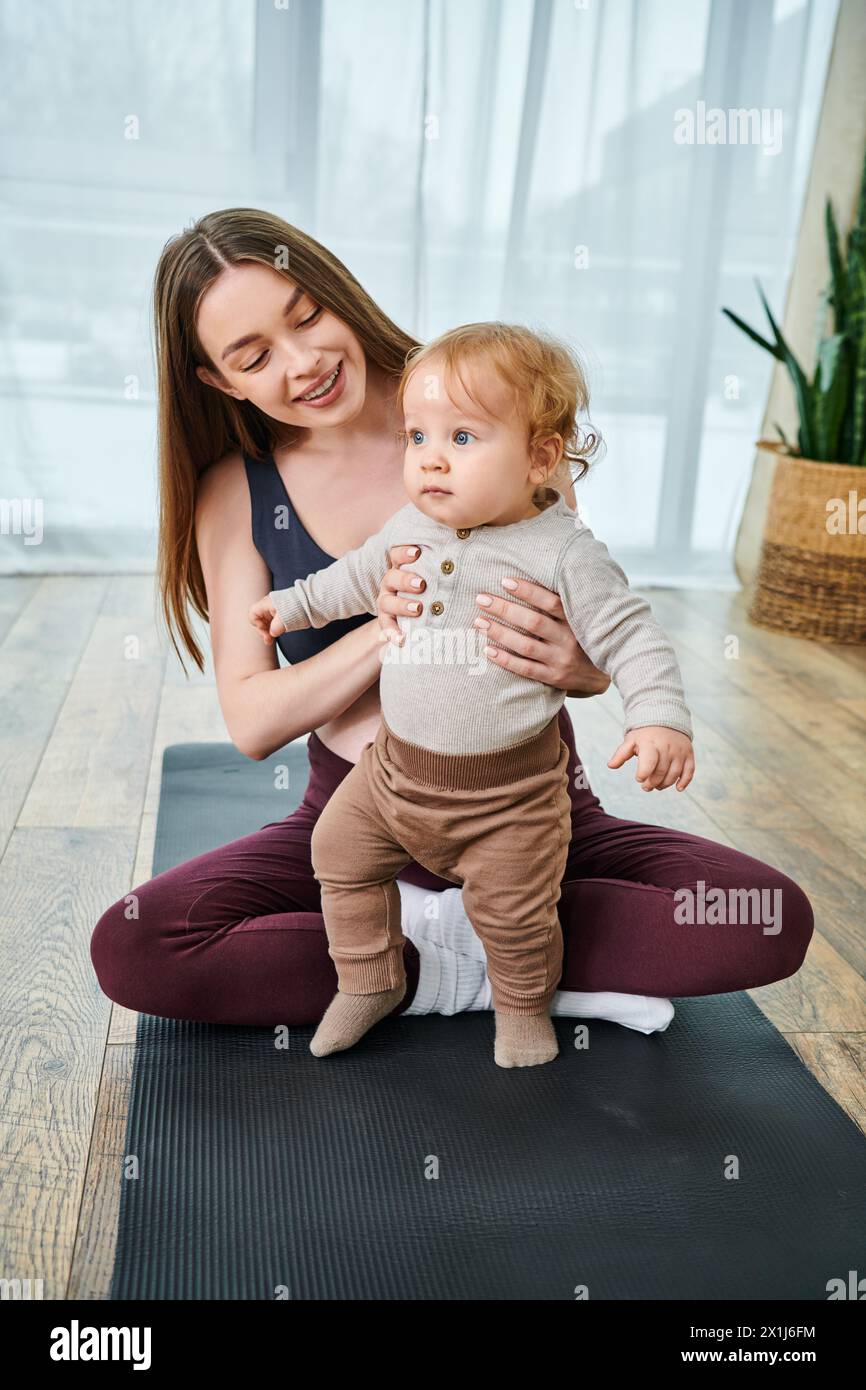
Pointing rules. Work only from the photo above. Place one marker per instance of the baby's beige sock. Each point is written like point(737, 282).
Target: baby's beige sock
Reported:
point(349, 1016)
point(524, 1040)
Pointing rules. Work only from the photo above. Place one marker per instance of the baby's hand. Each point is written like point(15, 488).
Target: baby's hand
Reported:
point(264, 616)
point(665, 756)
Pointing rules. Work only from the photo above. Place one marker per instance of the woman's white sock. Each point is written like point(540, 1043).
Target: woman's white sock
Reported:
point(453, 965)
point(453, 975)
point(440, 917)
point(643, 1012)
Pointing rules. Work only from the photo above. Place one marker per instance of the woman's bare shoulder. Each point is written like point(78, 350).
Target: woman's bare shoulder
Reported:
point(221, 484)
point(223, 476)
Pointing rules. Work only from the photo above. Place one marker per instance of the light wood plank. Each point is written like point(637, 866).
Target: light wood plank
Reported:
point(838, 1061)
point(832, 670)
point(54, 885)
point(38, 658)
point(16, 591)
point(93, 1257)
point(730, 785)
point(597, 733)
point(94, 768)
point(813, 704)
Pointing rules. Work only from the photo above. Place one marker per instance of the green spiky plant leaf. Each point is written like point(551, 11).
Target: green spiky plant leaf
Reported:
point(832, 406)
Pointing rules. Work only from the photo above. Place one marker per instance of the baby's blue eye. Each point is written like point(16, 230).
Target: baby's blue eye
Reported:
point(413, 436)
point(461, 436)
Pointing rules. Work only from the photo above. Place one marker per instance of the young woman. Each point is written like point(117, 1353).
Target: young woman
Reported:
point(279, 451)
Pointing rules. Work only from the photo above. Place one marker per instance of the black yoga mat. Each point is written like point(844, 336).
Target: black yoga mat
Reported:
point(412, 1167)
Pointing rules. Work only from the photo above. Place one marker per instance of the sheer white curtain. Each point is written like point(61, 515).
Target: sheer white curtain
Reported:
point(543, 161)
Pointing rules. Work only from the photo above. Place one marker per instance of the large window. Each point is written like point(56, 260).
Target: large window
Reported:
point(467, 159)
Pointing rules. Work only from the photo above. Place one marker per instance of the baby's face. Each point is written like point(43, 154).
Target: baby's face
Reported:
point(466, 465)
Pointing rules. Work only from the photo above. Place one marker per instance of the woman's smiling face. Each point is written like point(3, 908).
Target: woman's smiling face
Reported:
point(273, 344)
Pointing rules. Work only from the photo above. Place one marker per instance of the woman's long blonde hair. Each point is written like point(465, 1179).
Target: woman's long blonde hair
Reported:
point(198, 424)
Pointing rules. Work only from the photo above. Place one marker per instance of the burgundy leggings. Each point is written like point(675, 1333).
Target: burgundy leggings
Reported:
point(236, 935)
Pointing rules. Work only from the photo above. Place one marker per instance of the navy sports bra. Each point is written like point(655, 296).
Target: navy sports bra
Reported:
point(290, 553)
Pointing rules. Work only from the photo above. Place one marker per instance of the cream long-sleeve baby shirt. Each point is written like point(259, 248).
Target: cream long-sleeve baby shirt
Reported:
point(439, 689)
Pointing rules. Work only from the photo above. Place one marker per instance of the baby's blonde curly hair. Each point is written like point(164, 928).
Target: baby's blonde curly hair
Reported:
point(547, 381)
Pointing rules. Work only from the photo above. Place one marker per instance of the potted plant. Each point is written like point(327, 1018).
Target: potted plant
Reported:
point(811, 579)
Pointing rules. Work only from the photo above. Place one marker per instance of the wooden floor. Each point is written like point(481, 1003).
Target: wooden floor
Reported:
point(90, 695)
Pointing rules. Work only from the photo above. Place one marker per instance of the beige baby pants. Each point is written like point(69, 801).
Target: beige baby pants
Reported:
point(497, 823)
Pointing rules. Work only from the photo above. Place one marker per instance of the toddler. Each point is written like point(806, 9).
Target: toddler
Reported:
point(467, 774)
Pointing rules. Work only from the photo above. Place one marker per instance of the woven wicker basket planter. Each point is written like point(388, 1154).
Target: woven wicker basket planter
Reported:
point(811, 582)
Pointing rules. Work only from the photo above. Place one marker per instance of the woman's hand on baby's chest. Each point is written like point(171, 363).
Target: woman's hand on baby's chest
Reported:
point(545, 649)
point(395, 585)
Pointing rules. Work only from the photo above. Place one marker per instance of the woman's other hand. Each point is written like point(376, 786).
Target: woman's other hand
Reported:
point(549, 651)
point(389, 603)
